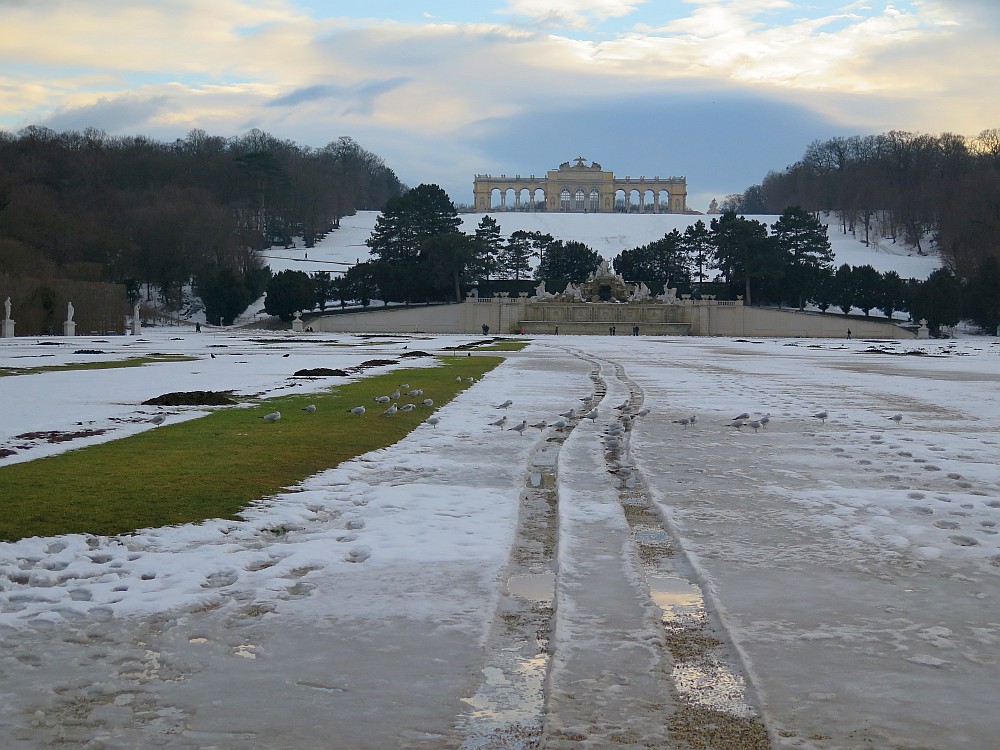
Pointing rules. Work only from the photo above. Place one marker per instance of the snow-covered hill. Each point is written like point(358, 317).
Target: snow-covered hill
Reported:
point(608, 234)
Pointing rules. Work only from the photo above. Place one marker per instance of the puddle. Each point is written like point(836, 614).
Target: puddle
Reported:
point(506, 709)
point(676, 596)
point(537, 587)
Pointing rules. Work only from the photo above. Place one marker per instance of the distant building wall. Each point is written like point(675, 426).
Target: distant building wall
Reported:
point(506, 315)
point(578, 188)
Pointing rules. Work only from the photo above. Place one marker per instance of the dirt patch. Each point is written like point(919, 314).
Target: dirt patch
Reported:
point(56, 436)
point(193, 398)
point(4, 452)
point(415, 353)
point(320, 372)
point(374, 363)
point(89, 351)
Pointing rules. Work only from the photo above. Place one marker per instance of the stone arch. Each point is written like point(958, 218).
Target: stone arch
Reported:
point(565, 200)
point(579, 199)
point(594, 200)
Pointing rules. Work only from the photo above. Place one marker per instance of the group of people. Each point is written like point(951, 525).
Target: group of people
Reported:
point(613, 330)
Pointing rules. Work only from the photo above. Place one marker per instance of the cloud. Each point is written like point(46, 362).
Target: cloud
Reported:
point(360, 99)
point(576, 15)
point(112, 114)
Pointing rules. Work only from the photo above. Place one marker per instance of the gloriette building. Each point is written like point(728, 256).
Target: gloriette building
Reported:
point(578, 188)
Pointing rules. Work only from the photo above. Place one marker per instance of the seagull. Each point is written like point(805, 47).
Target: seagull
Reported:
point(500, 422)
point(433, 421)
point(612, 443)
point(274, 416)
point(407, 407)
point(693, 418)
point(643, 411)
point(519, 429)
point(403, 386)
point(742, 417)
point(622, 406)
point(470, 379)
point(684, 422)
point(311, 408)
point(394, 395)
point(737, 423)
point(539, 425)
point(428, 402)
point(591, 415)
point(505, 404)
point(559, 425)
point(567, 414)
point(897, 418)
point(822, 415)
point(390, 411)
point(382, 399)
point(765, 420)
point(359, 410)
point(159, 419)
point(754, 424)
point(458, 379)
point(415, 392)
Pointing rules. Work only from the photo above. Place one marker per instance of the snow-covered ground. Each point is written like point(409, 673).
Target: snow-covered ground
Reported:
point(608, 234)
point(840, 574)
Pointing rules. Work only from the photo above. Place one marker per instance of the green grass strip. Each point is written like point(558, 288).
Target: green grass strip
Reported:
point(215, 466)
point(106, 365)
point(512, 345)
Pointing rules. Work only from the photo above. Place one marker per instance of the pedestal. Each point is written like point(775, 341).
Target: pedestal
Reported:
point(297, 324)
point(69, 328)
point(6, 329)
point(136, 326)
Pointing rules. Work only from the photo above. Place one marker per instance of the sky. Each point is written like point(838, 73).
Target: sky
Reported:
point(717, 91)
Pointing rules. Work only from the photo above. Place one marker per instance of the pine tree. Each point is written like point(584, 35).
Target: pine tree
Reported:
point(489, 245)
point(805, 240)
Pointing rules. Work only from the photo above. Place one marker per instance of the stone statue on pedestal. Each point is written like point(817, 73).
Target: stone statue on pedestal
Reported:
point(69, 312)
point(6, 309)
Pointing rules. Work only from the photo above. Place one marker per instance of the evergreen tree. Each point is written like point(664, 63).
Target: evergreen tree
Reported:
point(843, 289)
point(983, 295)
point(515, 260)
point(939, 300)
point(322, 288)
point(868, 286)
point(665, 260)
point(489, 246)
point(892, 296)
point(570, 261)
point(804, 239)
point(289, 292)
point(744, 251)
point(407, 221)
point(697, 244)
point(448, 259)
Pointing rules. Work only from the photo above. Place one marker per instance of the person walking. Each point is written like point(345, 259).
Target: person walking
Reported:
point(635, 330)
point(848, 334)
point(486, 330)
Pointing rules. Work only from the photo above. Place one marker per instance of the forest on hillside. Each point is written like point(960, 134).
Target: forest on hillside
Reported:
point(897, 187)
point(88, 208)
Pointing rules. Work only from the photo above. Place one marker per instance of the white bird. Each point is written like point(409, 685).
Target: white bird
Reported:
point(559, 425)
point(382, 399)
point(407, 407)
point(274, 416)
point(394, 395)
point(613, 443)
point(822, 415)
point(643, 411)
point(404, 386)
point(737, 423)
point(765, 420)
point(359, 410)
point(520, 428)
point(433, 421)
point(683, 422)
point(159, 419)
point(622, 406)
point(415, 392)
point(897, 418)
point(500, 422)
point(744, 416)
point(458, 379)
point(390, 411)
point(470, 379)
point(310, 408)
point(591, 415)
point(754, 424)
point(505, 404)
point(539, 425)
point(428, 402)
point(615, 429)
point(567, 414)
point(693, 418)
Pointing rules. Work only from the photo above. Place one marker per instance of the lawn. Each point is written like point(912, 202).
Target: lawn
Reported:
point(216, 465)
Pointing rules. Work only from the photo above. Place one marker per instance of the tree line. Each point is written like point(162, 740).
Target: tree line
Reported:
point(419, 254)
point(897, 187)
point(135, 211)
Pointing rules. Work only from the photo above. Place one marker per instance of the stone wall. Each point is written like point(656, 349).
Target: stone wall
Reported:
point(506, 315)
